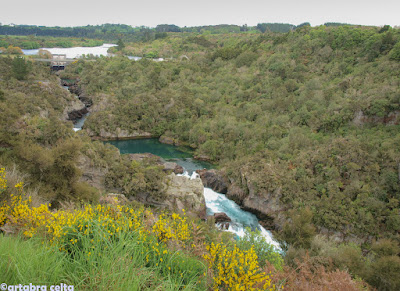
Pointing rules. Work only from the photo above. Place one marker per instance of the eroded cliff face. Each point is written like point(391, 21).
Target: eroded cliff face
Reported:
point(392, 118)
point(74, 110)
point(214, 179)
point(265, 205)
point(78, 105)
point(180, 195)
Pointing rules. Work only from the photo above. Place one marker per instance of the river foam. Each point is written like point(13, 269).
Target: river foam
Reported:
point(217, 202)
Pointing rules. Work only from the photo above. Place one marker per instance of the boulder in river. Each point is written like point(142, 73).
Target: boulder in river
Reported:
point(221, 217)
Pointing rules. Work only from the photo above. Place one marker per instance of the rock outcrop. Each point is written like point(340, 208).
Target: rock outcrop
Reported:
point(170, 140)
point(74, 88)
point(77, 108)
point(118, 134)
point(393, 118)
point(180, 195)
point(222, 220)
point(266, 206)
point(73, 110)
point(77, 114)
point(214, 180)
point(168, 166)
point(202, 158)
point(185, 193)
point(221, 217)
point(86, 100)
point(173, 167)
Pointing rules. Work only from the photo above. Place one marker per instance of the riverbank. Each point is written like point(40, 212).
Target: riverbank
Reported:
point(166, 147)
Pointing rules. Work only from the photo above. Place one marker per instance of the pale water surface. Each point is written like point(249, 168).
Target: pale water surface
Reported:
point(75, 52)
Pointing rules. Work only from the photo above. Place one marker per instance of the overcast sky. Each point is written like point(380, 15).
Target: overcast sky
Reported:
point(196, 13)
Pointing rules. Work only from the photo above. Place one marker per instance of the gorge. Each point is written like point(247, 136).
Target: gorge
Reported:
point(215, 202)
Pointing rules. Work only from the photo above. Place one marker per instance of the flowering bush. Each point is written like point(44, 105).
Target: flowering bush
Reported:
point(174, 228)
point(236, 269)
point(90, 230)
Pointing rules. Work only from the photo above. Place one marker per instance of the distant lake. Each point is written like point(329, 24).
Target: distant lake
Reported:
point(75, 52)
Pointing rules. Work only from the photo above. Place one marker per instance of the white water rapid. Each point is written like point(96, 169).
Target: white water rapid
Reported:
point(217, 202)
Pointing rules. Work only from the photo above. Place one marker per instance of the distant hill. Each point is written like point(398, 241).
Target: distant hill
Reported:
point(115, 31)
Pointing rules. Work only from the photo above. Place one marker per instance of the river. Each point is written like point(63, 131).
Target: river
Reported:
point(215, 202)
point(75, 52)
point(79, 123)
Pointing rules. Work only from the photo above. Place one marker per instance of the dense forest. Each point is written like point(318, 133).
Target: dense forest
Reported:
point(33, 42)
point(307, 118)
point(112, 32)
point(313, 113)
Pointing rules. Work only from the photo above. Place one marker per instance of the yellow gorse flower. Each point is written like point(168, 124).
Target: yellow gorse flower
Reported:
point(174, 228)
point(236, 269)
point(232, 269)
point(3, 180)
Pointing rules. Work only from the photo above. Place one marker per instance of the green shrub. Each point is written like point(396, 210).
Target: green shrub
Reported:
point(395, 52)
point(264, 250)
point(246, 58)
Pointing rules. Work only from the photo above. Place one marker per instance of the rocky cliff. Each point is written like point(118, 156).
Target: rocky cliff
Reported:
point(266, 206)
point(184, 193)
point(180, 195)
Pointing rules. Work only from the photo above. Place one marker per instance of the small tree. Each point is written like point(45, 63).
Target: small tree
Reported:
point(120, 45)
point(264, 250)
point(20, 68)
point(395, 52)
point(298, 231)
point(14, 50)
point(45, 54)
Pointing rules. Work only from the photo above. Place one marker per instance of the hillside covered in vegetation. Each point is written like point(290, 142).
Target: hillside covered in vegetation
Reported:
point(310, 116)
point(302, 125)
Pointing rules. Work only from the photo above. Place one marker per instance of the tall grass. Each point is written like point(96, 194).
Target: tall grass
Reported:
point(30, 261)
point(125, 263)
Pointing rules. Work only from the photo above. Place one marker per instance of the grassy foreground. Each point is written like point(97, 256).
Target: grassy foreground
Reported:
point(129, 247)
point(117, 265)
point(99, 247)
